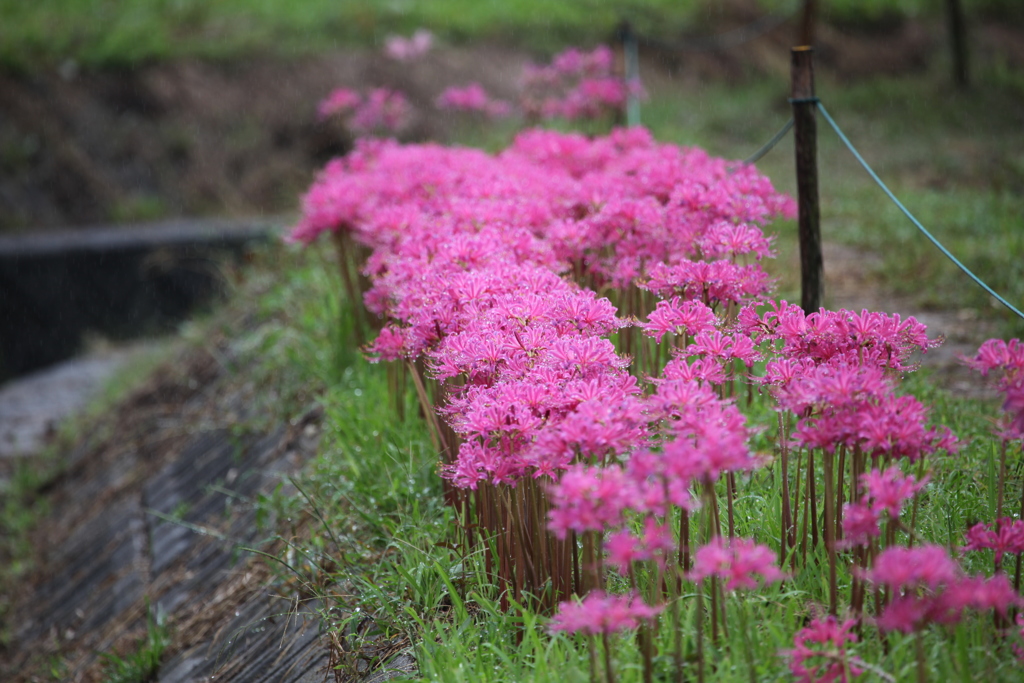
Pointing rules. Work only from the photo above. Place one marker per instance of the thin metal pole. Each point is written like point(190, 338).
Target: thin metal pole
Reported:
point(804, 102)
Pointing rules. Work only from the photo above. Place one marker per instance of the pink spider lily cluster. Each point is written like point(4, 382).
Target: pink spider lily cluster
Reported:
point(820, 655)
point(1005, 359)
point(579, 318)
point(381, 111)
point(928, 587)
point(575, 85)
point(408, 49)
point(472, 98)
point(1004, 536)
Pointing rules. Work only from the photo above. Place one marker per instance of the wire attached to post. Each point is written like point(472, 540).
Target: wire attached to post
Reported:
point(770, 145)
point(906, 212)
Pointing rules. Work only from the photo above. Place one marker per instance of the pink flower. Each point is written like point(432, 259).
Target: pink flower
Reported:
point(996, 354)
point(736, 561)
point(911, 611)
point(576, 85)
point(888, 490)
point(1007, 358)
point(676, 316)
point(976, 593)
point(588, 499)
point(472, 98)
point(407, 49)
point(600, 613)
point(1007, 536)
point(714, 282)
point(926, 566)
point(383, 109)
point(860, 525)
point(624, 549)
point(1017, 648)
point(906, 613)
point(827, 660)
point(340, 101)
point(929, 587)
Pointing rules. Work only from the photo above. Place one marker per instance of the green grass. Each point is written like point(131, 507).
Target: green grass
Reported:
point(125, 32)
point(99, 32)
point(142, 664)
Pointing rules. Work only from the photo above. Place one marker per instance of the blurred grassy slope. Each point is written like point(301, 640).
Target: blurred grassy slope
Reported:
point(119, 32)
point(123, 32)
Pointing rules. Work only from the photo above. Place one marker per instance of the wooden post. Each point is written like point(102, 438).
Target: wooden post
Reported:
point(812, 282)
point(807, 22)
point(958, 42)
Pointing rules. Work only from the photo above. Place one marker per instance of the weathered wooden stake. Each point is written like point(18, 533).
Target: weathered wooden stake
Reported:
point(626, 41)
point(807, 22)
point(812, 281)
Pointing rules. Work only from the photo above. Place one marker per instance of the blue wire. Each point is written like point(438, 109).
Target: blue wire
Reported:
point(768, 146)
point(909, 215)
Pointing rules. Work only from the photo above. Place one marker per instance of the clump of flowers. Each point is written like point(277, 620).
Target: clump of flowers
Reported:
point(408, 49)
point(575, 85)
point(819, 654)
point(340, 102)
point(884, 494)
point(929, 587)
point(736, 561)
point(580, 318)
point(1004, 536)
point(600, 613)
point(474, 99)
point(382, 110)
point(1005, 359)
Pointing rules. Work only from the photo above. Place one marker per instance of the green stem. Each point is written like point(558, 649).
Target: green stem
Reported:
point(608, 669)
point(922, 665)
point(748, 645)
point(829, 531)
point(700, 632)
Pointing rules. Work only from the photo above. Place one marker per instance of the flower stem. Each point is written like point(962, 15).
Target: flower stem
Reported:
point(922, 666)
point(748, 645)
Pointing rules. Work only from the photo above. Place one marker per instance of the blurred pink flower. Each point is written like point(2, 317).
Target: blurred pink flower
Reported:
point(736, 561)
point(407, 49)
point(601, 613)
point(825, 660)
point(1006, 358)
point(1004, 536)
point(382, 110)
point(472, 98)
point(341, 101)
